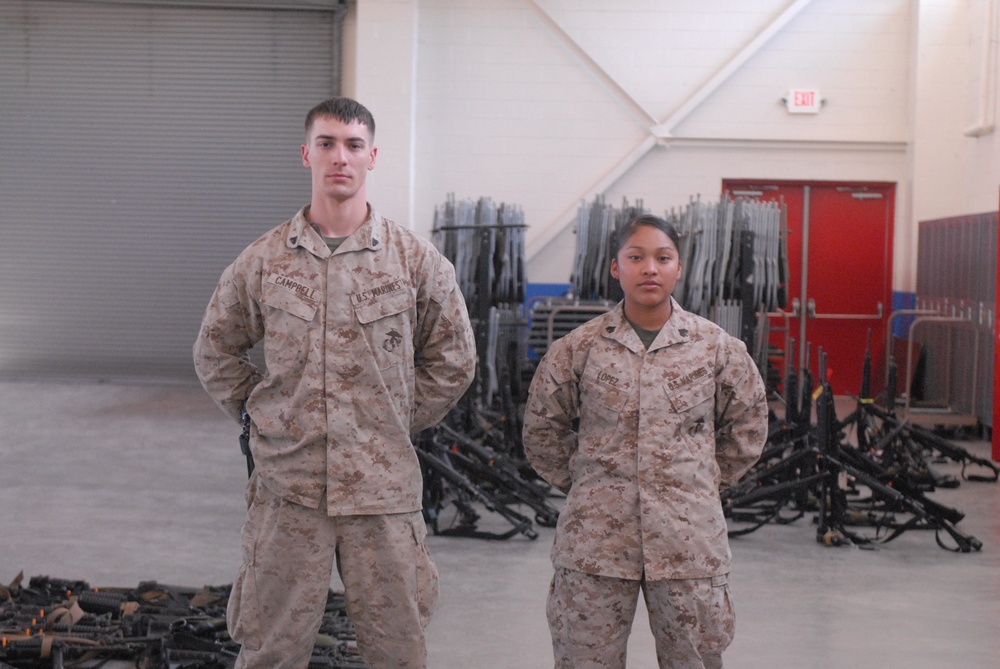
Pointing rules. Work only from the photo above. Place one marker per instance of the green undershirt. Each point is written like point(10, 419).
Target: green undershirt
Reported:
point(645, 336)
point(334, 242)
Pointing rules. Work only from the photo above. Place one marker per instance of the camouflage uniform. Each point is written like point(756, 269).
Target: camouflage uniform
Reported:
point(362, 347)
point(659, 431)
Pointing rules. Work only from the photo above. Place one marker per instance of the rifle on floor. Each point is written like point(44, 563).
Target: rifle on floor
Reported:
point(435, 456)
point(501, 474)
point(933, 442)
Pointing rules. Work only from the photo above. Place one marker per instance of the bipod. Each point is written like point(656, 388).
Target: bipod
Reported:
point(821, 472)
point(831, 528)
point(794, 426)
point(926, 514)
point(895, 493)
point(926, 439)
point(899, 446)
point(885, 441)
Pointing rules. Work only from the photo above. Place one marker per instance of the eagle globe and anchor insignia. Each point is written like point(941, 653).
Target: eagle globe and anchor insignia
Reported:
point(392, 340)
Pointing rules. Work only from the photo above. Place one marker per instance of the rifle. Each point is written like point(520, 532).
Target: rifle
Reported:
point(245, 439)
point(501, 476)
point(933, 442)
point(436, 458)
point(153, 626)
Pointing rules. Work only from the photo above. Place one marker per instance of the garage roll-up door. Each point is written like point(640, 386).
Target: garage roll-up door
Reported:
point(142, 146)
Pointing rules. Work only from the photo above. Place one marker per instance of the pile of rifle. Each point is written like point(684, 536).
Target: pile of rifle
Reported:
point(711, 252)
point(714, 259)
point(879, 482)
point(54, 623)
point(733, 253)
point(485, 242)
point(596, 227)
point(474, 459)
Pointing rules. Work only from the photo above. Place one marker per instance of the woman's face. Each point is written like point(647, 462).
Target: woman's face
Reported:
point(648, 267)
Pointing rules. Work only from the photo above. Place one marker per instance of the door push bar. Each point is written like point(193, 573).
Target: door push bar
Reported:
point(811, 312)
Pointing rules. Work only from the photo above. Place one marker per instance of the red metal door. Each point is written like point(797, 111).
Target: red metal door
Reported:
point(995, 451)
point(840, 273)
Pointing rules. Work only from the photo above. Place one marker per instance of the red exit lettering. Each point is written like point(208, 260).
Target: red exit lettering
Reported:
point(803, 101)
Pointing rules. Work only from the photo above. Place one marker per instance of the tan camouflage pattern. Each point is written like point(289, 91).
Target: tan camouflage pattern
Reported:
point(362, 347)
point(590, 618)
point(659, 431)
point(279, 595)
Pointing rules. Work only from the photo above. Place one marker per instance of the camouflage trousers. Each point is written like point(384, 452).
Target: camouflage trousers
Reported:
point(590, 618)
point(280, 593)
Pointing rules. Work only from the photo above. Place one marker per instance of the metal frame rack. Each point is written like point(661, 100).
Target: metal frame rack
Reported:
point(954, 320)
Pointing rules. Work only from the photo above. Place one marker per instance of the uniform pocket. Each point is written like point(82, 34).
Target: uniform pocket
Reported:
point(604, 396)
point(695, 404)
point(288, 301)
point(428, 584)
point(289, 330)
point(243, 612)
point(388, 326)
point(605, 389)
point(720, 627)
point(693, 396)
point(694, 425)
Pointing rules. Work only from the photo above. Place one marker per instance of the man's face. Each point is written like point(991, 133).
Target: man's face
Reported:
point(339, 155)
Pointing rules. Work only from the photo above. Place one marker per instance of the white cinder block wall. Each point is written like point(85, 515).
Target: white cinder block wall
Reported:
point(545, 103)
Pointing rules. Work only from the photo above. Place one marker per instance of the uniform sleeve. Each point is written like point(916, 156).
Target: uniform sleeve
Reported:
point(445, 349)
point(552, 407)
point(741, 412)
point(230, 327)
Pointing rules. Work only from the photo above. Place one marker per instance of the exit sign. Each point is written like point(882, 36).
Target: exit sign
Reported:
point(803, 101)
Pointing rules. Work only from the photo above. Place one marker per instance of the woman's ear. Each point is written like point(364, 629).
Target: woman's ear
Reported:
point(614, 268)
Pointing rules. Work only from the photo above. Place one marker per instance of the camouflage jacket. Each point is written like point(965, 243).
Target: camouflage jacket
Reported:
point(362, 348)
point(658, 432)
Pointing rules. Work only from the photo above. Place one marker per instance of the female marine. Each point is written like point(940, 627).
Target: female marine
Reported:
point(639, 416)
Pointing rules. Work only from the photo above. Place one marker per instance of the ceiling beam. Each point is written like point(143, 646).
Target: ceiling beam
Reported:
point(541, 235)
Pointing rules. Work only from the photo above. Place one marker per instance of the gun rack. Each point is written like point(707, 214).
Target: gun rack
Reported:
point(474, 459)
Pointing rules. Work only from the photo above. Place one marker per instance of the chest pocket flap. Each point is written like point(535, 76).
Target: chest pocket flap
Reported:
point(604, 388)
point(697, 395)
point(390, 305)
point(288, 301)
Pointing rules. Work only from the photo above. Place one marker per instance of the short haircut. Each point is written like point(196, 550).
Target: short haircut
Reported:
point(345, 110)
point(626, 231)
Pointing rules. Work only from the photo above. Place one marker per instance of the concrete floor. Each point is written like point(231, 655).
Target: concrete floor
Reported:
point(117, 484)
